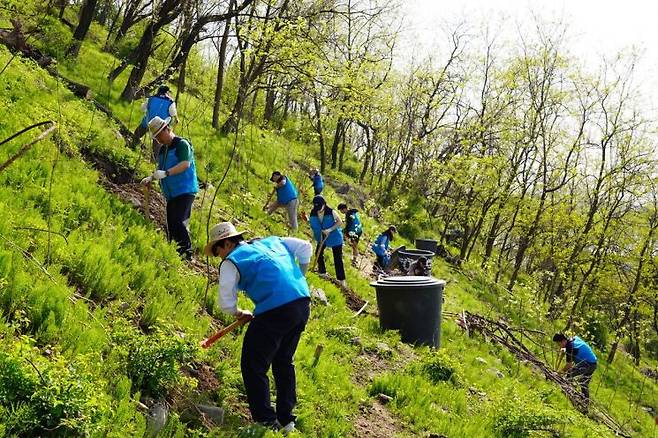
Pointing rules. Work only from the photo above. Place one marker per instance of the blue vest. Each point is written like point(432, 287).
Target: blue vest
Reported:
point(156, 106)
point(381, 245)
point(269, 274)
point(582, 351)
point(286, 193)
point(335, 238)
point(355, 224)
point(182, 183)
point(318, 183)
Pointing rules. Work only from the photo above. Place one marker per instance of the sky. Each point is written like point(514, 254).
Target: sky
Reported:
point(596, 28)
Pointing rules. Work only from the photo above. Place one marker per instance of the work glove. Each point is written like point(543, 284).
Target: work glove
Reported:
point(147, 180)
point(326, 232)
point(304, 268)
point(240, 313)
point(159, 174)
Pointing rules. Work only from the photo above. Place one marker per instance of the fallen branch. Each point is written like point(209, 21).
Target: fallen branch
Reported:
point(501, 333)
point(26, 147)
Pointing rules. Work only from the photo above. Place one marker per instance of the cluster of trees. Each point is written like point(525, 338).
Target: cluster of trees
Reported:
point(546, 167)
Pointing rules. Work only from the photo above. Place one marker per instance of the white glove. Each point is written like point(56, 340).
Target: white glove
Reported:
point(240, 313)
point(159, 174)
point(147, 180)
point(326, 232)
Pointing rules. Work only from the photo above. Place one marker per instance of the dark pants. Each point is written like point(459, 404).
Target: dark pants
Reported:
point(179, 210)
point(338, 261)
point(317, 191)
point(582, 374)
point(271, 339)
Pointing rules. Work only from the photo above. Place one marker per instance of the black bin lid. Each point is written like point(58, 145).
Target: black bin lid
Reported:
point(410, 281)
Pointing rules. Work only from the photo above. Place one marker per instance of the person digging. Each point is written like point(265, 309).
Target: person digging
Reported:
point(353, 229)
point(581, 362)
point(286, 196)
point(176, 173)
point(161, 105)
point(326, 225)
point(266, 270)
point(381, 248)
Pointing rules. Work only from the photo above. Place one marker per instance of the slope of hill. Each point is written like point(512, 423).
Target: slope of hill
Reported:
point(101, 319)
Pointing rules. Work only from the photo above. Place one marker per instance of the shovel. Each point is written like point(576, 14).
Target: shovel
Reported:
point(206, 343)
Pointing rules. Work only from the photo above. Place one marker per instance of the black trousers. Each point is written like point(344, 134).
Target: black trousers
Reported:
point(582, 374)
point(179, 210)
point(271, 339)
point(338, 261)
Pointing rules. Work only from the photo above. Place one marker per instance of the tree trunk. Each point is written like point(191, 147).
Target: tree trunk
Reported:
point(337, 138)
point(220, 75)
point(106, 46)
point(318, 129)
point(86, 15)
point(341, 156)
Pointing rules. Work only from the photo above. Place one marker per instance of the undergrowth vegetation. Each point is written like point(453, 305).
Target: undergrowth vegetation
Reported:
point(98, 312)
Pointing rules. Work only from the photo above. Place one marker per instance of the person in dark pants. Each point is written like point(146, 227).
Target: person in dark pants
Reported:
point(176, 173)
point(581, 362)
point(162, 105)
point(266, 269)
point(326, 225)
point(353, 229)
point(318, 182)
point(380, 248)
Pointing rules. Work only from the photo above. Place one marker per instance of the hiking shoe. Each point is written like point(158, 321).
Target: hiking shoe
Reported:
point(343, 283)
point(290, 427)
point(324, 275)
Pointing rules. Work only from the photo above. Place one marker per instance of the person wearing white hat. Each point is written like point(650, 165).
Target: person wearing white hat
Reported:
point(176, 174)
point(267, 271)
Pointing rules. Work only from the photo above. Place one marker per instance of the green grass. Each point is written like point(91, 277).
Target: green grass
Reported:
point(115, 284)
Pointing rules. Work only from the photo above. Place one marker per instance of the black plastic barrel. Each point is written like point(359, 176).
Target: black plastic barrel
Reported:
point(410, 262)
point(411, 305)
point(427, 245)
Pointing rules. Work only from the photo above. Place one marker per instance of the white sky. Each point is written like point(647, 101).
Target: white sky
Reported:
point(596, 28)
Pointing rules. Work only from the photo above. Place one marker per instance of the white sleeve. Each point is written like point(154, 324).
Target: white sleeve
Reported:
point(145, 105)
point(301, 249)
point(173, 112)
point(228, 288)
point(337, 219)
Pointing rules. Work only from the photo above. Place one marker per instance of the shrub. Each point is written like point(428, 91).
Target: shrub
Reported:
point(517, 418)
point(38, 396)
point(440, 367)
point(154, 361)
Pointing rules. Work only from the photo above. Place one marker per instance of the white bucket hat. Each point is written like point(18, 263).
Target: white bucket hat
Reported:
point(219, 232)
point(156, 125)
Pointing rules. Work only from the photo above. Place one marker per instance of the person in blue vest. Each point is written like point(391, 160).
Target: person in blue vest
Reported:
point(581, 361)
point(353, 229)
point(381, 248)
point(326, 225)
point(318, 182)
point(161, 105)
point(267, 271)
point(286, 196)
point(176, 173)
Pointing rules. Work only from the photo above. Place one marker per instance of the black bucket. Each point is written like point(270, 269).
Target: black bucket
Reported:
point(427, 245)
point(416, 262)
point(411, 305)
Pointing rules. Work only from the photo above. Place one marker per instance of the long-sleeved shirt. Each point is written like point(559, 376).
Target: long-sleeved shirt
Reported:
point(229, 276)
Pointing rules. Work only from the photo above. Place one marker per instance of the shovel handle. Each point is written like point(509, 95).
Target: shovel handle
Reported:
point(206, 343)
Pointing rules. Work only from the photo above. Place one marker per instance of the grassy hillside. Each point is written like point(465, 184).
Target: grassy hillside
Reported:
point(99, 314)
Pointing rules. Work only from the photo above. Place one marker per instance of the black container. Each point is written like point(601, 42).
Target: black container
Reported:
point(417, 262)
point(427, 245)
point(411, 305)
